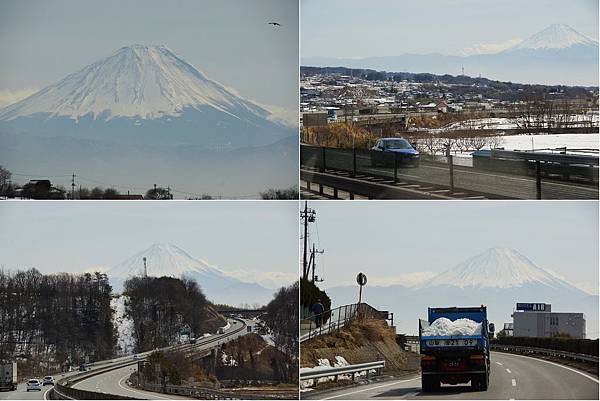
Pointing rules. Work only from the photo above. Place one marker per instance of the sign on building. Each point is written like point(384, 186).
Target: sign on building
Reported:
point(533, 307)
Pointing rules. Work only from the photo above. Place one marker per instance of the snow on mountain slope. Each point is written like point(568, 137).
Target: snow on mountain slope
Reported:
point(137, 81)
point(496, 268)
point(163, 260)
point(556, 36)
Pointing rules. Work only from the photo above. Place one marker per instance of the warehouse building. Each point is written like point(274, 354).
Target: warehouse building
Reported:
point(538, 320)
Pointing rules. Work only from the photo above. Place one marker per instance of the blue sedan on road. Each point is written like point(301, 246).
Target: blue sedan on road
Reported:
point(385, 148)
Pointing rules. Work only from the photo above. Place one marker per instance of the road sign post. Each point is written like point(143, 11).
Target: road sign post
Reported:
point(361, 279)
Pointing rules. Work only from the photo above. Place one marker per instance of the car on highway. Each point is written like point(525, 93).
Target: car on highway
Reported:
point(82, 368)
point(387, 149)
point(34, 384)
point(48, 380)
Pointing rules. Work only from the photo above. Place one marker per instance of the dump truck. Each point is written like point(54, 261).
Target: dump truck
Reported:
point(8, 376)
point(455, 348)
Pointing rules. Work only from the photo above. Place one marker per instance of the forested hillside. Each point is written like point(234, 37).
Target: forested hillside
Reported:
point(49, 322)
point(161, 309)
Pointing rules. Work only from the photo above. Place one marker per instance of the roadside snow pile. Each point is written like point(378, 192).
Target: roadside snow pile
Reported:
point(445, 327)
point(124, 324)
point(340, 361)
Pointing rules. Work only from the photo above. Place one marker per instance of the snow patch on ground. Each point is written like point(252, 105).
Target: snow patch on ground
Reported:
point(340, 361)
point(573, 141)
point(124, 325)
point(444, 327)
point(228, 360)
point(269, 339)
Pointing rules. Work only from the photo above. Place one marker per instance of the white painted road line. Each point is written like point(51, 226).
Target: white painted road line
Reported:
point(508, 370)
point(129, 389)
point(514, 382)
point(371, 388)
point(560, 366)
point(499, 363)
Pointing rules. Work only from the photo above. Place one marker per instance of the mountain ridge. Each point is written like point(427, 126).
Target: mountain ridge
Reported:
point(164, 259)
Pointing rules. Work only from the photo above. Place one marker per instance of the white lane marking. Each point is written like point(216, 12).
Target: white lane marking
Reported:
point(46, 392)
point(556, 364)
point(410, 394)
point(508, 370)
point(514, 382)
point(372, 388)
point(499, 363)
point(135, 391)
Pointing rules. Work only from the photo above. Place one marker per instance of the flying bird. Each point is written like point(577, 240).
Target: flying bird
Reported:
point(275, 23)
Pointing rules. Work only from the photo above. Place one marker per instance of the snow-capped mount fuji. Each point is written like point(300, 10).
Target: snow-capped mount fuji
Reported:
point(556, 36)
point(556, 55)
point(163, 259)
point(497, 268)
point(142, 116)
point(144, 94)
point(498, 278)
point(137, 81)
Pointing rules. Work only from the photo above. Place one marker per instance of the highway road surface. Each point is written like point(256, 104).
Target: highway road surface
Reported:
point(501, 184)
point(512, 377)
point(114, 382)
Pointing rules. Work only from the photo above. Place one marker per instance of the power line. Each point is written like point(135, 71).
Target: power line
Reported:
point(123, 187)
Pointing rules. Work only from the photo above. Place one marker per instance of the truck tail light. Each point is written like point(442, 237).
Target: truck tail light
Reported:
point(427, 360)
point(477, 359)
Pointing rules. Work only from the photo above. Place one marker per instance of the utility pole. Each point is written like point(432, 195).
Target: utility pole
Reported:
point(145, 268)
point(313, 259)
point(308, 216)
point(73, 187)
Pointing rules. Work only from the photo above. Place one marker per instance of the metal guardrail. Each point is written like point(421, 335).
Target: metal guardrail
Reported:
point(518, 175)
point(343, 370)
point(519, 349)
point(372, 190)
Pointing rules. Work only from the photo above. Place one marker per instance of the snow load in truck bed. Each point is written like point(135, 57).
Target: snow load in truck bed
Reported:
point(444, 327)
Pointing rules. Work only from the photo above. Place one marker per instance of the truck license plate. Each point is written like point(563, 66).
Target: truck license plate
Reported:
point(469, 342)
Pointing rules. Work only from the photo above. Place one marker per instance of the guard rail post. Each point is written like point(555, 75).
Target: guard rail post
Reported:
point(451, 169)
point(395, 168)
point(538, 180)
point(353, 162)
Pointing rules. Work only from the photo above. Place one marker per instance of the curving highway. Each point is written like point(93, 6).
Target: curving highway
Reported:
point(512, 377)
point(114, 381)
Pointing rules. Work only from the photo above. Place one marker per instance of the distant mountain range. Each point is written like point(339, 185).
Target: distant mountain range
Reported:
point(145, 109)
point(556, 55)
point(172, 261)
point(498, 278)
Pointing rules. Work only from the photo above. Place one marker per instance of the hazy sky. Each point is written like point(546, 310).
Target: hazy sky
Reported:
point(395, 242)
point(258, 237)
point(359, 28)
point(42, 42)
